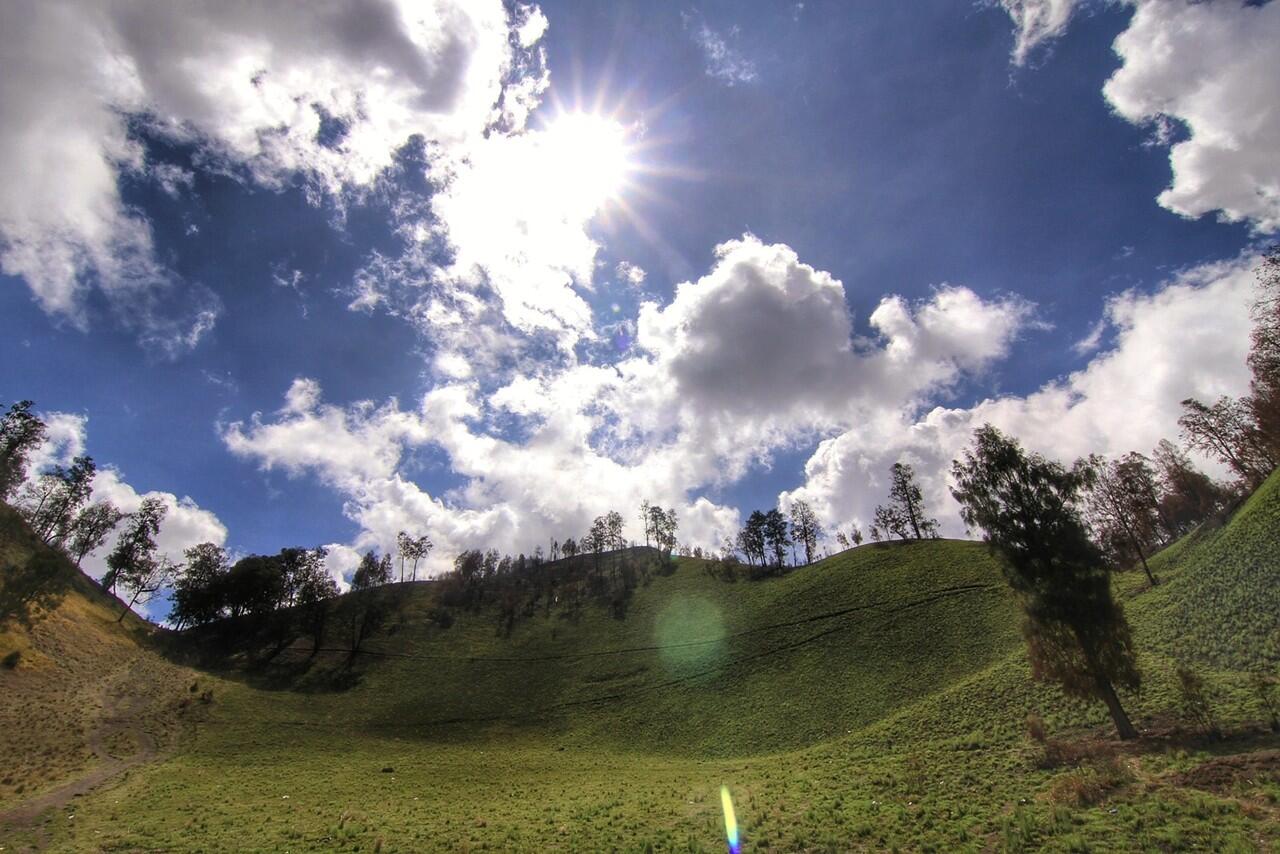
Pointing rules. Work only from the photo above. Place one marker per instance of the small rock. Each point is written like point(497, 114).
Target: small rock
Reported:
point(388, 770)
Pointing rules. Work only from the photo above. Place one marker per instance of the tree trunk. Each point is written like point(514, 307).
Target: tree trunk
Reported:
point(1123, 725)
point(1146, 568)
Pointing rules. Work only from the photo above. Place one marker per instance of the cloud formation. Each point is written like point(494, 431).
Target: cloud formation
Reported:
point(1188, 338)
point(756, 355)
point(324, 94)
point(1206, 78)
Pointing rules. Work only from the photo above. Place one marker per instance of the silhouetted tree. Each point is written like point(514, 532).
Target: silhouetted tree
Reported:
point(137, 543)
point(614, 538)
point(200, 589)
point(904, 515)
point(51, 502)
point(1124, 509)
point(372, 571)
point(569, 547)
point(775, 535)
point(21, 432)
point(1076, 633)
point(414, 549)
point(91, 527)
point(752, 539)
point(805, 528)
point(315, 592)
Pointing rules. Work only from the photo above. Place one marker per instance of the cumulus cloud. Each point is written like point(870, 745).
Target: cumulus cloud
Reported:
point(1214, 69)
point(756, 354)
point(1207, 72)
point(1188, 338)
point(270, 93)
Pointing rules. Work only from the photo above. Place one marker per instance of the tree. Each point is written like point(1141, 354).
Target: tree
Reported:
point(91, 527)
point(775, 535)
point(1026, 506)
point(569, 547)
point(414, 549)
point(1187, 495)
point(646, 520)
point(597, 539)
point(50, 503)
point(372, 571)
point(1123, 508)
point(842, 539)
point(614, 538)
point(663, 525)
point(316, 591)
point(855, 536)
point(21, 432)
point(904, 515)
point(1228, 432)
point(805, 528)
point(136, 546)
point(752, 538)
point(199, 591)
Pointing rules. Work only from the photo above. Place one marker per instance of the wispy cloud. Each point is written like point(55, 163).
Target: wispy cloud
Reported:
point(724, 62)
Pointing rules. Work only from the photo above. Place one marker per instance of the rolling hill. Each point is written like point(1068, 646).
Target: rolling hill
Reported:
point(875, 699)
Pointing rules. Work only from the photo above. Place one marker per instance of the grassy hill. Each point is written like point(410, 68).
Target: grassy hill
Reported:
point(80, 691)
point(874, 700)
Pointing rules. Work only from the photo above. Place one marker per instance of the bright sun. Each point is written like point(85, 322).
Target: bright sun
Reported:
point(590, 153)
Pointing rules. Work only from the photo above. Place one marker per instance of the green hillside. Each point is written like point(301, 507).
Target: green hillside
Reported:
point(876, 699)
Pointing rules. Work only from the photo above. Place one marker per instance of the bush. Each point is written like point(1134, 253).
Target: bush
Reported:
point(1195, 702)
point(1035, 728)
point(11, 660)
point(1090, 784)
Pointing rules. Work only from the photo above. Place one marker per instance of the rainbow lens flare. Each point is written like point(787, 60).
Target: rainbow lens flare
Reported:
point(730, 821)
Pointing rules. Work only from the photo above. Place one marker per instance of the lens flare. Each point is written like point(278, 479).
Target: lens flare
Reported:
point(730, 821)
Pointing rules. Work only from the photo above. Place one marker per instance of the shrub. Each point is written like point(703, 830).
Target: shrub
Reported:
point(11, 660)
point(1195, 701)
point(1035, 728)
point(1090, 784)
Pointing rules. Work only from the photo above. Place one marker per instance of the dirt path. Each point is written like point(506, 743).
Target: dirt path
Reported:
point(121, 725)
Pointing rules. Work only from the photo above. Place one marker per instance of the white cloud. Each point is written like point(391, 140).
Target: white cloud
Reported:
point(755, 355)
point(250, 86)
point(1214, 68)
point(1189, 338)
point(724, 62)
point(1209, 69)
point(1036, 22)
point(629, 273)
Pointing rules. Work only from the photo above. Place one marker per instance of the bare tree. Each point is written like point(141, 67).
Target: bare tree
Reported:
point(1228, 432)
point(1123, 508)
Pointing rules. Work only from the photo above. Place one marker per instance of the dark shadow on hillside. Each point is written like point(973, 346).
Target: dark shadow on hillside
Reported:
point(30, 588)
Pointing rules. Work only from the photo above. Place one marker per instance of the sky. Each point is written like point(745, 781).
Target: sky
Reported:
point(318, 273)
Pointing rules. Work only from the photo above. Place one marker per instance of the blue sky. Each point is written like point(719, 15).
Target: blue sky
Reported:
point(412, 314)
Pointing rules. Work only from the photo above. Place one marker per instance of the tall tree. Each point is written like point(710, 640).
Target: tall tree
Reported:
point(316, 591)
point(372, 571)
point(1187, 495)
point(904, 515)
point(775, 534)
point(805, 528)
point(1026, 506)
point(1123, 508)
point(52, 501)
point(134, 564)
point(91, 527)
point(646, 520)
point(613, 530)
point(199, 591)
point(752, 538)
point(137, 543)
point(21, 432)
point(414, 549)
point(1228, 432)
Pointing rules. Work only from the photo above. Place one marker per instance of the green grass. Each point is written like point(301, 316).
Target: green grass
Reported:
point(873, 701)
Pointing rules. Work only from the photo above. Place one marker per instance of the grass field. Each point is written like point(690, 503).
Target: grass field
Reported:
point(875, 700)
